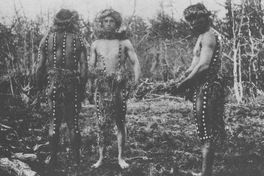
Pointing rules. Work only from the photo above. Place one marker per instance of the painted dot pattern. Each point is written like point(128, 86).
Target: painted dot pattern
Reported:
point(202, 128)
point(48, 78)
point(54, 90)
point(74, 50)
point(64, 48)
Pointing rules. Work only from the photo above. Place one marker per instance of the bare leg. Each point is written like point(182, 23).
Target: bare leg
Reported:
point(101, 157)
point(207, 144)
point(54, 131)
point(207, 158)
point(121, 136)
point(53, 140)
point(121, 128)
point(101, 135)
point(75, 143)
point(75, 136)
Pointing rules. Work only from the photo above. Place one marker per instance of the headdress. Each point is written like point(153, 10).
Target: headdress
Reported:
point(66, 20)
point(120, 33)
point(194, 11)
point(110, 12)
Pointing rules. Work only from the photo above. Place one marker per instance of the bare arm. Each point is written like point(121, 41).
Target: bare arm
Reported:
point(130, 52)
point(92, 64)
point(193, 64)
point(93, 56)
point(208, 45)
point(41, 65)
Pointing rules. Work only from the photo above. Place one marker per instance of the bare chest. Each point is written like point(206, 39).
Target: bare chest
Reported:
point(109, 48)
point(197, 48)
point(110, 54)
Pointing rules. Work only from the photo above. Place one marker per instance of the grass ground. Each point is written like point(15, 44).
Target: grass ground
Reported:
point(161, 136)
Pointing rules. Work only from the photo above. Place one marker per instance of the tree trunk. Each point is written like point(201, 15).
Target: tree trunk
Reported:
point(32, 54)
point(237, 73)
point(237, 77)
point(164, 61)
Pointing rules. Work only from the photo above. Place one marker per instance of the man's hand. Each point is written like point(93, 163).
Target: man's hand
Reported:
point(181, 87)
point(187, 72)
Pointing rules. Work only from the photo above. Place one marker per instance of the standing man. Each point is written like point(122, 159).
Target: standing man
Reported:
point(203, 81)
point(108, 59)
point(63, 61)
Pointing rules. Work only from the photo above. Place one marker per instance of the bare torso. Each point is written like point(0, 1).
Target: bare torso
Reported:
point(112, 55)
point(60, 52)
point(204, 48)
point(63, 50)
point(109, 54)
point(67, 62)
point(197, 51)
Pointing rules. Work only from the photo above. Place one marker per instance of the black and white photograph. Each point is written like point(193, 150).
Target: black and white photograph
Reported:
point(132, 88)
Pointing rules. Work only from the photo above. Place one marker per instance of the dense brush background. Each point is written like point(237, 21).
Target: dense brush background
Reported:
point(161, 135)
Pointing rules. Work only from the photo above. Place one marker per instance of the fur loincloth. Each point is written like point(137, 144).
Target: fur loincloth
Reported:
point(110, 99)
point(65, 83)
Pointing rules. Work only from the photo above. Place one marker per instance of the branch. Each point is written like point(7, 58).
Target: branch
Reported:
point(16, 167)
point(227, 56)
point(143, 38)
point(25, 157)
point(166, 96)
point(22, 8)
point(134, 11)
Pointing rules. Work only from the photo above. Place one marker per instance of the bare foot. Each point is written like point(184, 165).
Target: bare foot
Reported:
point(97, 164)
point(122, 163)
point(196, 174)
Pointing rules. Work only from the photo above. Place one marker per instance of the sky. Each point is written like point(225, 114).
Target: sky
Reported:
point(88, 9)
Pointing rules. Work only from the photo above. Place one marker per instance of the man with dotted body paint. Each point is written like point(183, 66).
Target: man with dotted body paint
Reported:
point(203, 81)
point(63, 62)
point(109, 55)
